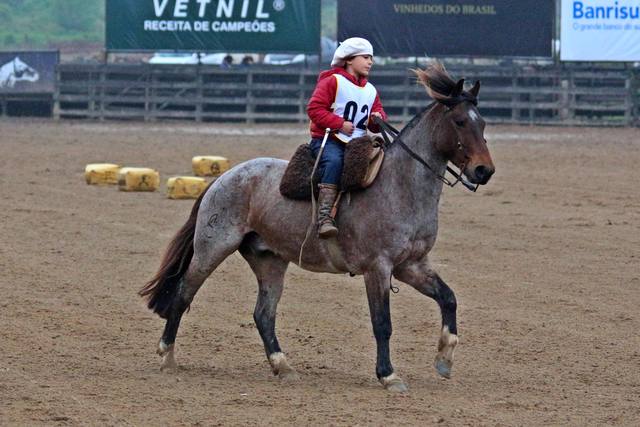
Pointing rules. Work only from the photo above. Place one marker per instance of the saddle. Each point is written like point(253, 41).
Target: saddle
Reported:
point(362, 160)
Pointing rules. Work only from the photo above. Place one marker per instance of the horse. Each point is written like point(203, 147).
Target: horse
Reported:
point(15, 71)
point(386, 230)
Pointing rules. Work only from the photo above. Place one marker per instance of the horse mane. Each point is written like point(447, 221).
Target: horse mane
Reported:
point(441, 87)
point(416, 119)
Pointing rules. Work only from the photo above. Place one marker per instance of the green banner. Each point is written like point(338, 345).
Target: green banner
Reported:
point(214, 25)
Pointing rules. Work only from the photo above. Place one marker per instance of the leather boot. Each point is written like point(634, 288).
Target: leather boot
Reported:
point(327, 196)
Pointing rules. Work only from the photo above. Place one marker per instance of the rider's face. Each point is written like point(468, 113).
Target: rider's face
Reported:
point(359, 66)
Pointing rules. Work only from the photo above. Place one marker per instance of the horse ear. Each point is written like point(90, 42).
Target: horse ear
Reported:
point(458, 89)
point(475, 89)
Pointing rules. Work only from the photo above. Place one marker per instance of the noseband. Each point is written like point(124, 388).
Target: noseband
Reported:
point(387, 129)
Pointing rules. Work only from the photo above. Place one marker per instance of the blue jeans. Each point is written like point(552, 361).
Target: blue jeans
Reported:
point(330, 165)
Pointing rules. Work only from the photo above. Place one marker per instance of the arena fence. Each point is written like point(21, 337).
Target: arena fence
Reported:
point(26, 104)
point(511, 94)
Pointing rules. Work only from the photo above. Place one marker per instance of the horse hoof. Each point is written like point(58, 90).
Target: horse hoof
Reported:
point(399, 387)
point(444, 368)
point(281, 368)
point(394, 384)
point(168, 359)
point(169, 364)
point(288, 376)
point(169, 368)
point(164, 348)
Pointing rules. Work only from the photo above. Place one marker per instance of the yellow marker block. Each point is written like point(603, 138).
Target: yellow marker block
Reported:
point(138, 179)
point(185, 187)
point(209, 165)
point(101, 174)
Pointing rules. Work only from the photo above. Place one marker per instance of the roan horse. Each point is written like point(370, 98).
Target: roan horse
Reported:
point(386, 230)
point(15, 71)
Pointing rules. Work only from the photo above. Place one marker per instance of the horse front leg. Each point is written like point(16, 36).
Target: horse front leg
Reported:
point(269, 269)
point(377, 284)
point(427, 282)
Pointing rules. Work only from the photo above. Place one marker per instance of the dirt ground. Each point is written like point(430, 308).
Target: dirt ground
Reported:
point(544, 260)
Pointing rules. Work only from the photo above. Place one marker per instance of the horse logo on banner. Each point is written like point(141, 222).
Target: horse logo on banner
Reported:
point(16, 71)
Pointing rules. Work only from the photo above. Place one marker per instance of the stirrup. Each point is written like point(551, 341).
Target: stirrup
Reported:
point(329, 231)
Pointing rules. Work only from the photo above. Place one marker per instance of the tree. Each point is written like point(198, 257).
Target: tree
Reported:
point(76, 15)
point(5, 13)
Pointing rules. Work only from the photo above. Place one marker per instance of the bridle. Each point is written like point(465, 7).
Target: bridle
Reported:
point(386, 130)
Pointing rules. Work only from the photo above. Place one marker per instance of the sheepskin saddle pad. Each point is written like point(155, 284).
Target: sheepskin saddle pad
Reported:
point(362, 160)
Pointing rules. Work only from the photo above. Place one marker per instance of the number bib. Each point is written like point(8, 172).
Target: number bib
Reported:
point(353, 103)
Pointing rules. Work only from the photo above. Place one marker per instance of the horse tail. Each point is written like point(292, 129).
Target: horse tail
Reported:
point(161, 290)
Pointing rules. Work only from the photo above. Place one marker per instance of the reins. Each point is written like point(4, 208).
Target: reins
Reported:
point(386, 129)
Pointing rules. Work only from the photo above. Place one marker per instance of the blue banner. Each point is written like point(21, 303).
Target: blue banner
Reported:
point(450, 27)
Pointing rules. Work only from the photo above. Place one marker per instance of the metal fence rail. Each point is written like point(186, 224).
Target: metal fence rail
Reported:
point(519, 95)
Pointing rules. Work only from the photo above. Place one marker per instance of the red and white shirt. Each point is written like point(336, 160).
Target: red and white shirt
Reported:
point(339, 97)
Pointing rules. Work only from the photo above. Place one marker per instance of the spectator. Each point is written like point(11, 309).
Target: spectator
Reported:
point(247, 61)
point(227, 62)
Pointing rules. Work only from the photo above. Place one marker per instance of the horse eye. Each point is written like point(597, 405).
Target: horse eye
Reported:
point(459, 123)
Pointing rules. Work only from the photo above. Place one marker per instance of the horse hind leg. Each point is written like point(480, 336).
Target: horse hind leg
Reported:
point(187, 288)
point(208, 254)
point(269, 269)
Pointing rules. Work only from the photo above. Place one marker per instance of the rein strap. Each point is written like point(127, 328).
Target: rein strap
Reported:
point(386, 129)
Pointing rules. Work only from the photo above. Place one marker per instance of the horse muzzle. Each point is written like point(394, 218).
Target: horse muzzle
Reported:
point(479, 174)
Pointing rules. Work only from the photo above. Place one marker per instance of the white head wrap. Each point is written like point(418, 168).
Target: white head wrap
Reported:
point(351, 47)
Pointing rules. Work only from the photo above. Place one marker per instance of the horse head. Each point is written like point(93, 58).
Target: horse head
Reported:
point(22, 71)
point(461, 127)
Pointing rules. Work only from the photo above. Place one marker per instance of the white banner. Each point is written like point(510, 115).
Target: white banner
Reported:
point(600, 30)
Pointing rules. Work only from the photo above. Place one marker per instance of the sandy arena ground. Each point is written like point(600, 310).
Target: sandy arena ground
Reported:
point(545, 262)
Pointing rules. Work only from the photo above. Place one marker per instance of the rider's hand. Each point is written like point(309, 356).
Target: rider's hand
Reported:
point(347, 128)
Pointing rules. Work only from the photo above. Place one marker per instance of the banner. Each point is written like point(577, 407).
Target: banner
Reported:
point(28, 72)
point(600, 30)
point(450, 27)
point(214, 25)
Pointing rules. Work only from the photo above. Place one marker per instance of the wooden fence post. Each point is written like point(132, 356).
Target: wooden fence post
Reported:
point(564, 100)
point(302, 107)
point(634, 94)
point(92, 93)
point(407, 90)
point(199, 93)
point(56, 94)
point(147, 84)
point(515, 96)
point(102, 82)
point(628, 101)
point(250, 101)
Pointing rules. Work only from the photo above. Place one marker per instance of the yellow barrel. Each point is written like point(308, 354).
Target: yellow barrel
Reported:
point(185, 187)
point(209, 165)
point(101, 174)
point(138, 179)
